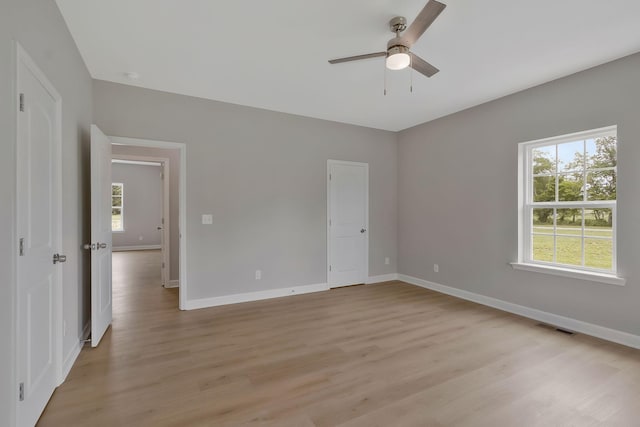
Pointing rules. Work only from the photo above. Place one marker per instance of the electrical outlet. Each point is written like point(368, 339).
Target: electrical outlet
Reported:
point(386, 261)
point(140, 238)
point(258, 274)
point(436, 268)
point(207, 219)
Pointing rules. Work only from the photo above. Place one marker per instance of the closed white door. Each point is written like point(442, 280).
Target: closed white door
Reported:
point(348, 212)
point(39, 238)
point(101, 307)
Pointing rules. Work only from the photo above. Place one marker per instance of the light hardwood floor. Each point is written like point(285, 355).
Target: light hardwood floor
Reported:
point(378, 355)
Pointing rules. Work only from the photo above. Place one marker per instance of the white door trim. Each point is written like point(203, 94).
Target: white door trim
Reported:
point(366, 167)
point(21, 56)
point(182, 209)
point(166, 227)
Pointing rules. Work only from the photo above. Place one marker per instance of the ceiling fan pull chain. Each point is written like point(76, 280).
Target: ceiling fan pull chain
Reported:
point(385, 81)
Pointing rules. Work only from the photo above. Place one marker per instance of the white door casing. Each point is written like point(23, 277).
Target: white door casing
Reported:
point(348, 223)
point(162, 228)
point(182, 203)
point(101, 301)
point(39, 228)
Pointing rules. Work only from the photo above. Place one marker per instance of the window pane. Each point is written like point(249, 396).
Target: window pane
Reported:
point(569, 250)
point(116, 219)
point(544, 189)
point(598, 253)
point(542, 248)
point(544, 160)
point(570, 187)
point(571, 156)
point(601, 185)
point(542, 220)
point(116, 201)
point(598, 223)
point(116, 189)
point(602, 152)
point(569, 222)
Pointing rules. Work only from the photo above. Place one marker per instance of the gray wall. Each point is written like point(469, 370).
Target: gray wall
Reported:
point(457, 191)
point(174, 196)
point(38, 26)
point(262, 175)
point(142, 190)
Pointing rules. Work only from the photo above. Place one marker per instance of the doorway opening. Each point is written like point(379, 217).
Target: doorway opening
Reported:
point(141, 208)
point(148, 216)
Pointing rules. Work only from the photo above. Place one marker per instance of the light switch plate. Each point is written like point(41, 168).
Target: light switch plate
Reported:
point(207, 219)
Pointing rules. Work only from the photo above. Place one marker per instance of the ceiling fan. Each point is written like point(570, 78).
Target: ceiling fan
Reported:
point(398, 53)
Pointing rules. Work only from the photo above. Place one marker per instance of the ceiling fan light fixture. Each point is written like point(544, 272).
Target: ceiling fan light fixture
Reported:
point(398, 58)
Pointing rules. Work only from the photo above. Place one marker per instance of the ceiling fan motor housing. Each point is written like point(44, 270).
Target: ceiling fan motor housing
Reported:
point(397, 45)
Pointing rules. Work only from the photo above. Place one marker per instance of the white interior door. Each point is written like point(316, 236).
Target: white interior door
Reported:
point(39, 237)
point(101, 313)
point(348, 212)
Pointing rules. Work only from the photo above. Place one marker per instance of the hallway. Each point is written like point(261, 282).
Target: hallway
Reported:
point(137, 288)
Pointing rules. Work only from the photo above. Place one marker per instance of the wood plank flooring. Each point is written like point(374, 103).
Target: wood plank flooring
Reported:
point(378, 355)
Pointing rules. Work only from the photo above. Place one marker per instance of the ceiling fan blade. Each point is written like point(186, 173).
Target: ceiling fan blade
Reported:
point(424, 19)
point(357, 58)
point(422, 66)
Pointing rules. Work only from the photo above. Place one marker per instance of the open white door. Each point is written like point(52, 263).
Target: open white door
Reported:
point(348, 215)
point(39, 237)
point(101, 313)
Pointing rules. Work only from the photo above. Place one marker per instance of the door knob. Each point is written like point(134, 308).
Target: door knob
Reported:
point(102, 245)
point(59, 258)
point(89, 246)
point(159, 228)
point(363, 230)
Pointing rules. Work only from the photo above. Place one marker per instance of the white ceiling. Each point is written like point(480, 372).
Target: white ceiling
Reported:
point(273, 54)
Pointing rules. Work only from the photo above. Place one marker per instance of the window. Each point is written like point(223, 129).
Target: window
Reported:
point(117, 195)
point(568, 202)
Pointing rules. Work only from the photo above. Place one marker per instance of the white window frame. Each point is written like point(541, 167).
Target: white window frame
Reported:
point(526, 206)
point(121, 207)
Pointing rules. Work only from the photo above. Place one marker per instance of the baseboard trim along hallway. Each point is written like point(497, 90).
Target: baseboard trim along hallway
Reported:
point(136, 248)
point(254, 296)
point(273, 293)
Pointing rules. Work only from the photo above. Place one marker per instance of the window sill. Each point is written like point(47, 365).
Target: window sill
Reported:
point(609, 279)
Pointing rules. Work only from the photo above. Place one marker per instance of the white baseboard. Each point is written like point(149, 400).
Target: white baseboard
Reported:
point(69, 361)
point(254, 296)
point(381, 278)
point(172, 284)
point(597, 331)
point(135, 248)
point(71, 358)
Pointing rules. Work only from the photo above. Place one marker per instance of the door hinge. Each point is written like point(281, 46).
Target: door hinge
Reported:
point(22, 102)
point(329, 268)
point(21, 392)
point(329, 223)
point(163, 265)
point(21, 248)
point(161, 175)
point(162, 221)
point(329, 177)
